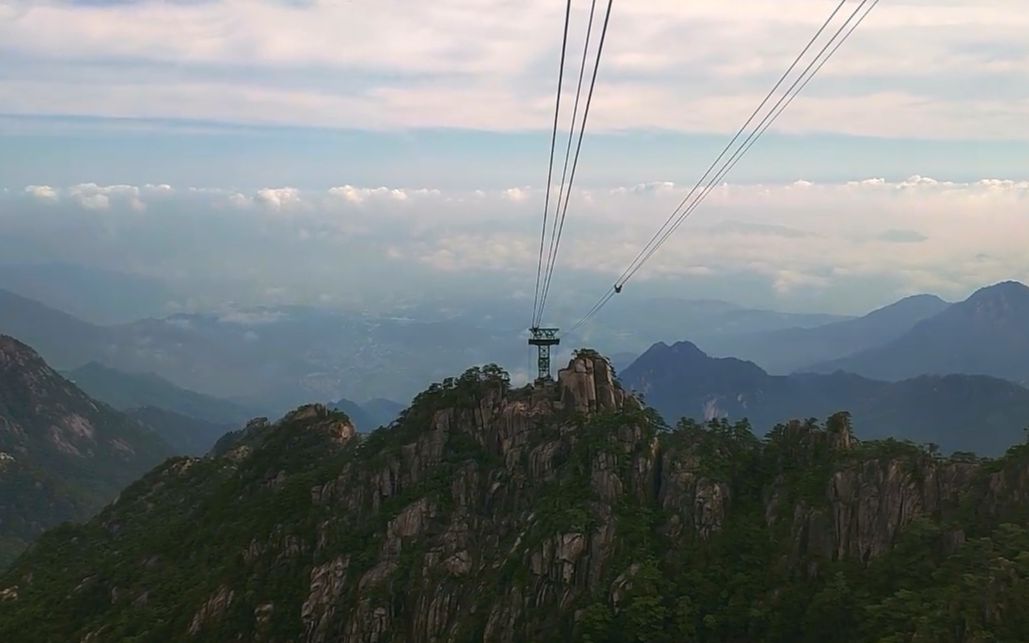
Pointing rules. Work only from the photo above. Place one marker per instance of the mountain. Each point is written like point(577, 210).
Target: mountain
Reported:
point(185, 434)
point(273, 358)
point(564, 513)
point(987, 334)
point(361, 420)
point(637, 322)
point(62, 455)
point(97, 295)
point(126, 391)
point(383, 411)
point(370, 415)
point(270, 358)
point(786, 350)
point(64, 340)
point(957, 412)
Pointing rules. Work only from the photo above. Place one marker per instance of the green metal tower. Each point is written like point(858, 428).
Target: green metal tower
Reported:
point(543, 339)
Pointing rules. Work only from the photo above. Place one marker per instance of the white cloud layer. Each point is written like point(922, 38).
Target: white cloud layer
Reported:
point(846, 245)
point(917, 68)
point(42, 192)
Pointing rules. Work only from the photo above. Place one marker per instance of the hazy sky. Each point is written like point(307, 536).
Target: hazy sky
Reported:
point(360, 152)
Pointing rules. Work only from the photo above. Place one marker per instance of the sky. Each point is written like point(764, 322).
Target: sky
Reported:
point(377, 154)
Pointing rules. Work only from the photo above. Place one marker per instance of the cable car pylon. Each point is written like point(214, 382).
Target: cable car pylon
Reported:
point(543, 339)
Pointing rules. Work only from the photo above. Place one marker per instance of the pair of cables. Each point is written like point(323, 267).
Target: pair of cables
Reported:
point(548, 252)
point(762, 118)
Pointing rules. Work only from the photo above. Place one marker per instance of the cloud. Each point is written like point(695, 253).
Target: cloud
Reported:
point(277, 198)
point(749, 229)
point(517, 195)
point(355, 195)
point(181, 323)
point(91, 196)
point(914, 69)
point(43, 193)
point(788, 281)
point(653, 187)
point(785, 243)
point(252, 318)
point(902, 236)
point(238, 200)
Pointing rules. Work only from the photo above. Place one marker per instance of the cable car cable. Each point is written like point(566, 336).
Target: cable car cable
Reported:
point(553, 146)
point(762, 127)
point(578, 150)
point(784, 102)
point(568, 148)
point(736, 137)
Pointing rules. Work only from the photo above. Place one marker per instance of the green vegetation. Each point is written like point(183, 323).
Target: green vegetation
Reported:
point(491, 513)
point(62, 455)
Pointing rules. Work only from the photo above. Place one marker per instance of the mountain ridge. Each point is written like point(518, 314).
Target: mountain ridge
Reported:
point(126, 391)
point(987, 334)
point(65, 455)
point(682, 381)
point(788, 350)
point(561, 513)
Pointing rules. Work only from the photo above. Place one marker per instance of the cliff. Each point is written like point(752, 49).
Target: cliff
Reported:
point(63, 455)
point(560, 513)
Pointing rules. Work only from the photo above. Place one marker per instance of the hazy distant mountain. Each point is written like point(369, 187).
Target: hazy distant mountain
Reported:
point(64, 340)
point(382, 411)
point(186, 435)
point(371, 415)
point(784, 351)
point(273, 358)
point(987, 334)
point(94, 294)
point(62, 454)
point(632, 325)
point(277, 357)
point(958, 412)
point(268, 358)
point(126, 391)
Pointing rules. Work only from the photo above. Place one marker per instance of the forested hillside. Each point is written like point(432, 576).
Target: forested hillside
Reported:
point(491, 514)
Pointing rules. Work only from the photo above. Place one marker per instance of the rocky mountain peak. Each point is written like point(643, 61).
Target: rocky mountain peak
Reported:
point(588, 384)
point(486, 513)
point(683, 350)
point(17, 356)
point(29, 387)
point(1001, 300)
point(64, 453)
point(322, 420)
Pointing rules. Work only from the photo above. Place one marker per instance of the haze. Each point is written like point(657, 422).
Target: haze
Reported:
point(378, 156)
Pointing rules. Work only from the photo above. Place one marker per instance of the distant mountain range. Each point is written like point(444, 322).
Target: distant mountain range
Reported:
point(62, 339)
point(371, 415)
point(126, 391)
point(192, 422)
point(987, 334)
point(958, 412)
point(62, 454)
point(185, 434)
point(274, 358)
point(784, 351)
point(97, 295)
point(271, 359)
point(636, 323)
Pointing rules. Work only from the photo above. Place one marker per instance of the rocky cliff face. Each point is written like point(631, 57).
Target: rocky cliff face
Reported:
point(488, 514)
point(62, 454)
